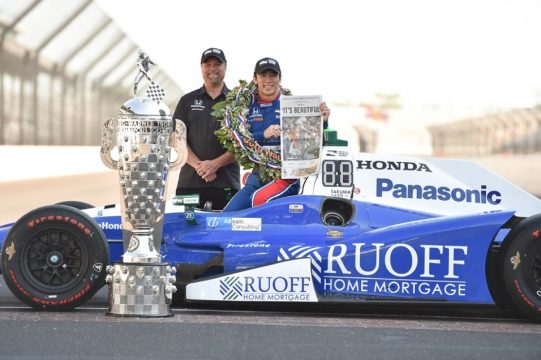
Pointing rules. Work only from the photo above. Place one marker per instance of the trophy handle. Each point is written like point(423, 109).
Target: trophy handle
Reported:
point(178, 142)
point(107, 144)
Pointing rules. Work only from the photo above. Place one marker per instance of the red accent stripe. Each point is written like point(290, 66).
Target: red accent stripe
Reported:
point(271, 191)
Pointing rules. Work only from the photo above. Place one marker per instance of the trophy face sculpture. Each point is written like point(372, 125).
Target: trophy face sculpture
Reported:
point(143, 137)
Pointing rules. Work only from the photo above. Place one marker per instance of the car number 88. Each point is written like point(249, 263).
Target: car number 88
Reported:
point(337, 173)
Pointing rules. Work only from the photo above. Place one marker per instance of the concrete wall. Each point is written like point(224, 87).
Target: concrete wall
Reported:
point(31, 162)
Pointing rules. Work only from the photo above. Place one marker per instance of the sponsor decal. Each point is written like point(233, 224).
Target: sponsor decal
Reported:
point(246, 224)
point(522, 295)
point(341, 193)
point(334, 233)
point(265, 288)
point(48, 300)
point(299, 252)
point(104, 225)
point(443, 193)
point(10, 251)
point(515, 260)
point(197, 105)
point(389, 286)
point(333, 153)
point(98, 267)
point(231, 288)
point(386, 277)
point(392, 165)
point(420, 260)
point(66, 219)
point(17, 284)
point(287, 281)
point(250, 245)
point(296, 208)
point(67, 300)
point(397, 270)
point(189, 215)
point(214, 222)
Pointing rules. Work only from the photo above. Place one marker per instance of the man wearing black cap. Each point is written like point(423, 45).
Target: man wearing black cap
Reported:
point(210, 170)
point(264, 124)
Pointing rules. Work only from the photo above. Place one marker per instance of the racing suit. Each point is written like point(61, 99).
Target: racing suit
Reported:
point(261, 115)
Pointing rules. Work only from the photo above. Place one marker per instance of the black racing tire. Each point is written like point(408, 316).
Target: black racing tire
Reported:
point(80, 205)
point(522, 266)
point(54, 258)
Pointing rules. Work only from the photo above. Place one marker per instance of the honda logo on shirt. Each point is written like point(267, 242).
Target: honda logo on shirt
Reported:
point(197, 105)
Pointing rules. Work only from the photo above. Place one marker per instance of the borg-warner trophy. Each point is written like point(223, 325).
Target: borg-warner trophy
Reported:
point(142, 138)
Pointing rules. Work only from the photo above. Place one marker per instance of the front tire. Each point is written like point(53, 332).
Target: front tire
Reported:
point(522, 266)
point(80, 205)
point(54, 258)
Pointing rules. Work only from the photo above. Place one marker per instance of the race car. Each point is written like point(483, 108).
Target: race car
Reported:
point(368, 228)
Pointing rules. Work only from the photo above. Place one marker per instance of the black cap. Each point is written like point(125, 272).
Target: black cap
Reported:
point(267, 64)
point(213, 52)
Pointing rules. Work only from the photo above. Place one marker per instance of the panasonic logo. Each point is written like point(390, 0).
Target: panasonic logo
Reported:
point(108, 226)
point(392, 165)
point(443, 193)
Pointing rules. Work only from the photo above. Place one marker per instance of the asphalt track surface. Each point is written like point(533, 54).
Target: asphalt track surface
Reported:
point(259, 332)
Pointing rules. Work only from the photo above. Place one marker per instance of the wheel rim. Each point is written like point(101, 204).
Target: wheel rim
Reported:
point(533, 269)
point(53, 260)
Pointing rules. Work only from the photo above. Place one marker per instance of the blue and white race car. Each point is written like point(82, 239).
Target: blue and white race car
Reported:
point(368, 228)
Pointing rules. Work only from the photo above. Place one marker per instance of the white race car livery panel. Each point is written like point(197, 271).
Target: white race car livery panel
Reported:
point(288, 281)
point(438, 186)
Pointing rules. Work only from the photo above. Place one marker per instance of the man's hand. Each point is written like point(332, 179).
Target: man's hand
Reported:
point(207, 170)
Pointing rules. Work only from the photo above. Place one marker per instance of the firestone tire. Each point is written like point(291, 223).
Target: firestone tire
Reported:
point(54, 258)
point(80, 205)
point(522, 266)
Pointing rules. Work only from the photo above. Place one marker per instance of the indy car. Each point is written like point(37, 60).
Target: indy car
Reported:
point(368, 228)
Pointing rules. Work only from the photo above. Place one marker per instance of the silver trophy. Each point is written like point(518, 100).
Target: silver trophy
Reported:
point(139, 144)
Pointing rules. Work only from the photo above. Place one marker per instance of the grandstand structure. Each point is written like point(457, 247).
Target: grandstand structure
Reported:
point(511, 132)
point(65, 67)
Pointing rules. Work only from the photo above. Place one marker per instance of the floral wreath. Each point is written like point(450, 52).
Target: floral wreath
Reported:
point(235, 136)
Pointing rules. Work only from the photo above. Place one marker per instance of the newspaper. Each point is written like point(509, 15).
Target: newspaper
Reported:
point(302, 130)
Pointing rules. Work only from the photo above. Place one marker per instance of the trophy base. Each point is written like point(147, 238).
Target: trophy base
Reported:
point(140, 289)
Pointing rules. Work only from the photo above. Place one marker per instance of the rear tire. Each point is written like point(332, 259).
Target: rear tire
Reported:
point(54, 258)
point(522, 266)
point(80, 205)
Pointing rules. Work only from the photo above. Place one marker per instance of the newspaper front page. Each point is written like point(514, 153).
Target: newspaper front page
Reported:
point(302, 130)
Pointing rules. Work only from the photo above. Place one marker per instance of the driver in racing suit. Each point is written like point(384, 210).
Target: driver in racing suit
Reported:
point(264, 124)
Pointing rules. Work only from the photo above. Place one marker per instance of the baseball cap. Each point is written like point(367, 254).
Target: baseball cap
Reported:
point(267, 64)
point(213, 52)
